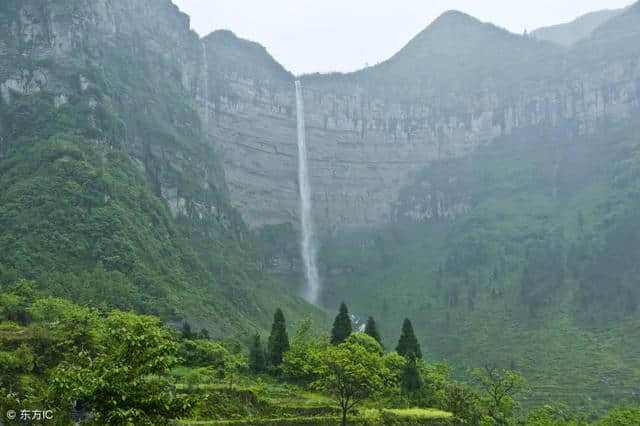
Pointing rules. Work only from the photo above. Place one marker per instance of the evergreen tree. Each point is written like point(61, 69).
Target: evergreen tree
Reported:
point(341, 326)
point(278, 342)
point(256, 355)
point(372, 330)
point(411, 380)
point(408, 344)
point(186, 331)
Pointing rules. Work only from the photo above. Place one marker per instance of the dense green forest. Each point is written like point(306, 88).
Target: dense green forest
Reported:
point(106, 366)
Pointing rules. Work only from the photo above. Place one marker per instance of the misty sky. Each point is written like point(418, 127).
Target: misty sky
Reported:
point(343, 35)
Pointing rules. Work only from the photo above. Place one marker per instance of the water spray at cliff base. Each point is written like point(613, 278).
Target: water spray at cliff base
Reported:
point(308, 248)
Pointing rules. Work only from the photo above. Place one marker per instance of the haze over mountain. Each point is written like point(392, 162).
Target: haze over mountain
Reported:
point(458, 50)
point(569, 33)
point(484, 184)
point(330, 35)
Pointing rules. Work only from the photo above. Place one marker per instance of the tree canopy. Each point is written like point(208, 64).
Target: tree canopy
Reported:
point(256, 355)
point(124, 379)
point(342, 327)
point(350, 373)
point(278, 342)
point(500, 388)
point(371, 329)
point(408, 343)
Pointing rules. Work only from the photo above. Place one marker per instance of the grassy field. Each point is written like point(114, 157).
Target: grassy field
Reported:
point(267, 402)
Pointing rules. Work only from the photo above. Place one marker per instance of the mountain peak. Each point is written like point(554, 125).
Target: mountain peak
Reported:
point(454, 27)
point(223, 34)
point(455, 32)
point(229, 52)
point(453, 17)
point(457, 50)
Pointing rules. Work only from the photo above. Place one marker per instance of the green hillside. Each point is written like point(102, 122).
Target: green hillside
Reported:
point(544, 264)
point(87, 222)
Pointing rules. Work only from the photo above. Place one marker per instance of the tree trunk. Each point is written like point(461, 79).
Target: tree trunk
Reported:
point(344, 417)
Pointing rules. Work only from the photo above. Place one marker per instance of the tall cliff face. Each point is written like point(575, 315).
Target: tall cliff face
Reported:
point(44, 44)
point(108, 97)
point(57, 30)
point(458, 85)
point(250, 117)
point(47, 44)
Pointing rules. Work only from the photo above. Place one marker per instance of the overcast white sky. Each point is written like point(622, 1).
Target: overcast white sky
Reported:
point(343, 35)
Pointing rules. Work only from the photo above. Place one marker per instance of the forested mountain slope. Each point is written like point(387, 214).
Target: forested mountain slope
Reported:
point(524, 252)
point(111, 191)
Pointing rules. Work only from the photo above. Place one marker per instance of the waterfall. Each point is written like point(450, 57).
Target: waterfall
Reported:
point(308, 247)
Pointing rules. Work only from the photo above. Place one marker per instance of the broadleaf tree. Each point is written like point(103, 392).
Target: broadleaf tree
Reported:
point(125, 380)
point(350, 373)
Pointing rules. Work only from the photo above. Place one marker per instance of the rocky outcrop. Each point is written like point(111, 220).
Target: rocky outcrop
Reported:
point(68, 48)
point(39, 31)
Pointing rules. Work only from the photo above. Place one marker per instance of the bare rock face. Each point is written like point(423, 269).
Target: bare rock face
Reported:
point(370, 133)
point(457, 86)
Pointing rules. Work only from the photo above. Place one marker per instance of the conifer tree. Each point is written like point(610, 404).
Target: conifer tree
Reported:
point(408, 344)
point(411, 380)
point(278, 342)
point(372, 330)
point(341, 326)
point(186, 331)
point(256, 355)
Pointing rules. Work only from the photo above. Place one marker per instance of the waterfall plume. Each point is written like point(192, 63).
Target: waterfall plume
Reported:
point(307, 245)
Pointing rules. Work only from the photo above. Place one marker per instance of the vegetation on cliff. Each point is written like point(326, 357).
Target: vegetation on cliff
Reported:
point(112, 196)
point(543, 264)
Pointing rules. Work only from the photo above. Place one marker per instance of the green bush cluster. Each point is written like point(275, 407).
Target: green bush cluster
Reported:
point(109, 365)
